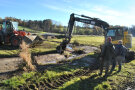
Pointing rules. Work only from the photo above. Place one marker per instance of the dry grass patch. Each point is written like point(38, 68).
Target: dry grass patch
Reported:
point(26, 55)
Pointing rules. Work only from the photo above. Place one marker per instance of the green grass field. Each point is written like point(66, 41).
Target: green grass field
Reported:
point(84, 40)
point(49, 45)
point(133, 44)
point(44, 48)
point(89, 40)
point(30, 30)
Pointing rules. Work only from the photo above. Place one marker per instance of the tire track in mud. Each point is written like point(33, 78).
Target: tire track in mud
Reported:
point(55, 83)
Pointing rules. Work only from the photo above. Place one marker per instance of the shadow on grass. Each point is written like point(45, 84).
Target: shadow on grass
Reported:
point(88, 84)
point(17, 55)
point(8, 47)
point(44, 53)
point(9, 56)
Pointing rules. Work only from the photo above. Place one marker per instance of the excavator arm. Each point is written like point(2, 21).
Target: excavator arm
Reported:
point(83, 19)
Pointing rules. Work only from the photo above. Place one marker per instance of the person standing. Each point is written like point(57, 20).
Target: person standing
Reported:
point(107, 54)
point(120, 51)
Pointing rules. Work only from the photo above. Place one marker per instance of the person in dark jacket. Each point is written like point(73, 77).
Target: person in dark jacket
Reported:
point(120, 51)
point(107, 54)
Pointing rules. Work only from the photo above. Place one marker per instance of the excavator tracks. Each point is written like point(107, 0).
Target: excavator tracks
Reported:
point(54, 83)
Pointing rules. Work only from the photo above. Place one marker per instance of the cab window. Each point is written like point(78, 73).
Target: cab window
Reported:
point(111, 33)
point(119, 32)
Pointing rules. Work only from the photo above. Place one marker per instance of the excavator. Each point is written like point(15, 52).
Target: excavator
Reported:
point(82, 19)
point(9, 34)
point(118, 33)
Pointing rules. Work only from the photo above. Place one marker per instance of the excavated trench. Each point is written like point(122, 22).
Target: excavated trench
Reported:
point(11, 64)
point(55, 83)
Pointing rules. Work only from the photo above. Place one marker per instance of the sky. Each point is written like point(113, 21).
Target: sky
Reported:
point(115, 12)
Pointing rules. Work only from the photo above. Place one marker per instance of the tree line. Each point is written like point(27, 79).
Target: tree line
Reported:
point(52, 26)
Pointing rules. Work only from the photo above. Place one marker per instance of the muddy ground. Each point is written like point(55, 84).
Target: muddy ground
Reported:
point(8, 65)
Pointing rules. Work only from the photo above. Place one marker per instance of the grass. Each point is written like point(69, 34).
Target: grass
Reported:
point(94, 82)
point(89, 40)
point(70, 84)
point(50, 73)
point(85, 40)
point(30, 30)
point(8, 52)
point(91, 81)
point(18, 80)
point(46, 46)
point(133, 43)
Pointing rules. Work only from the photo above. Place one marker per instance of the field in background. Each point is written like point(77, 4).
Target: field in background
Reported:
point(133, 44)
point(30, 30)
point(51, 44)
point(85, 40)
point(89, 40)
point(45, 47)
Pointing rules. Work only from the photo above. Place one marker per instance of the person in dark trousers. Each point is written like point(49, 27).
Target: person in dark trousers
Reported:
point(120, 51)
point(107, 54)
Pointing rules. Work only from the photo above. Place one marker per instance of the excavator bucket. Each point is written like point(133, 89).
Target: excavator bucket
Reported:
point(32, 40)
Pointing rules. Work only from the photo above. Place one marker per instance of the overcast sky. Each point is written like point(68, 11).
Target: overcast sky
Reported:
point(115, 12)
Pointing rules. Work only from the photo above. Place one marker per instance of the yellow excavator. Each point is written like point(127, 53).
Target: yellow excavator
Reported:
point(119, 33)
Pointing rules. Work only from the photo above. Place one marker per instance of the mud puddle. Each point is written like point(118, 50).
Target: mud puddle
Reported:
point(9, 64)
point(54, 58)
point(49, 59)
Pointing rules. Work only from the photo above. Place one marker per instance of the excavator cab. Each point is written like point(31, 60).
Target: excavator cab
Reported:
point(9, 27)
point(120, 33)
